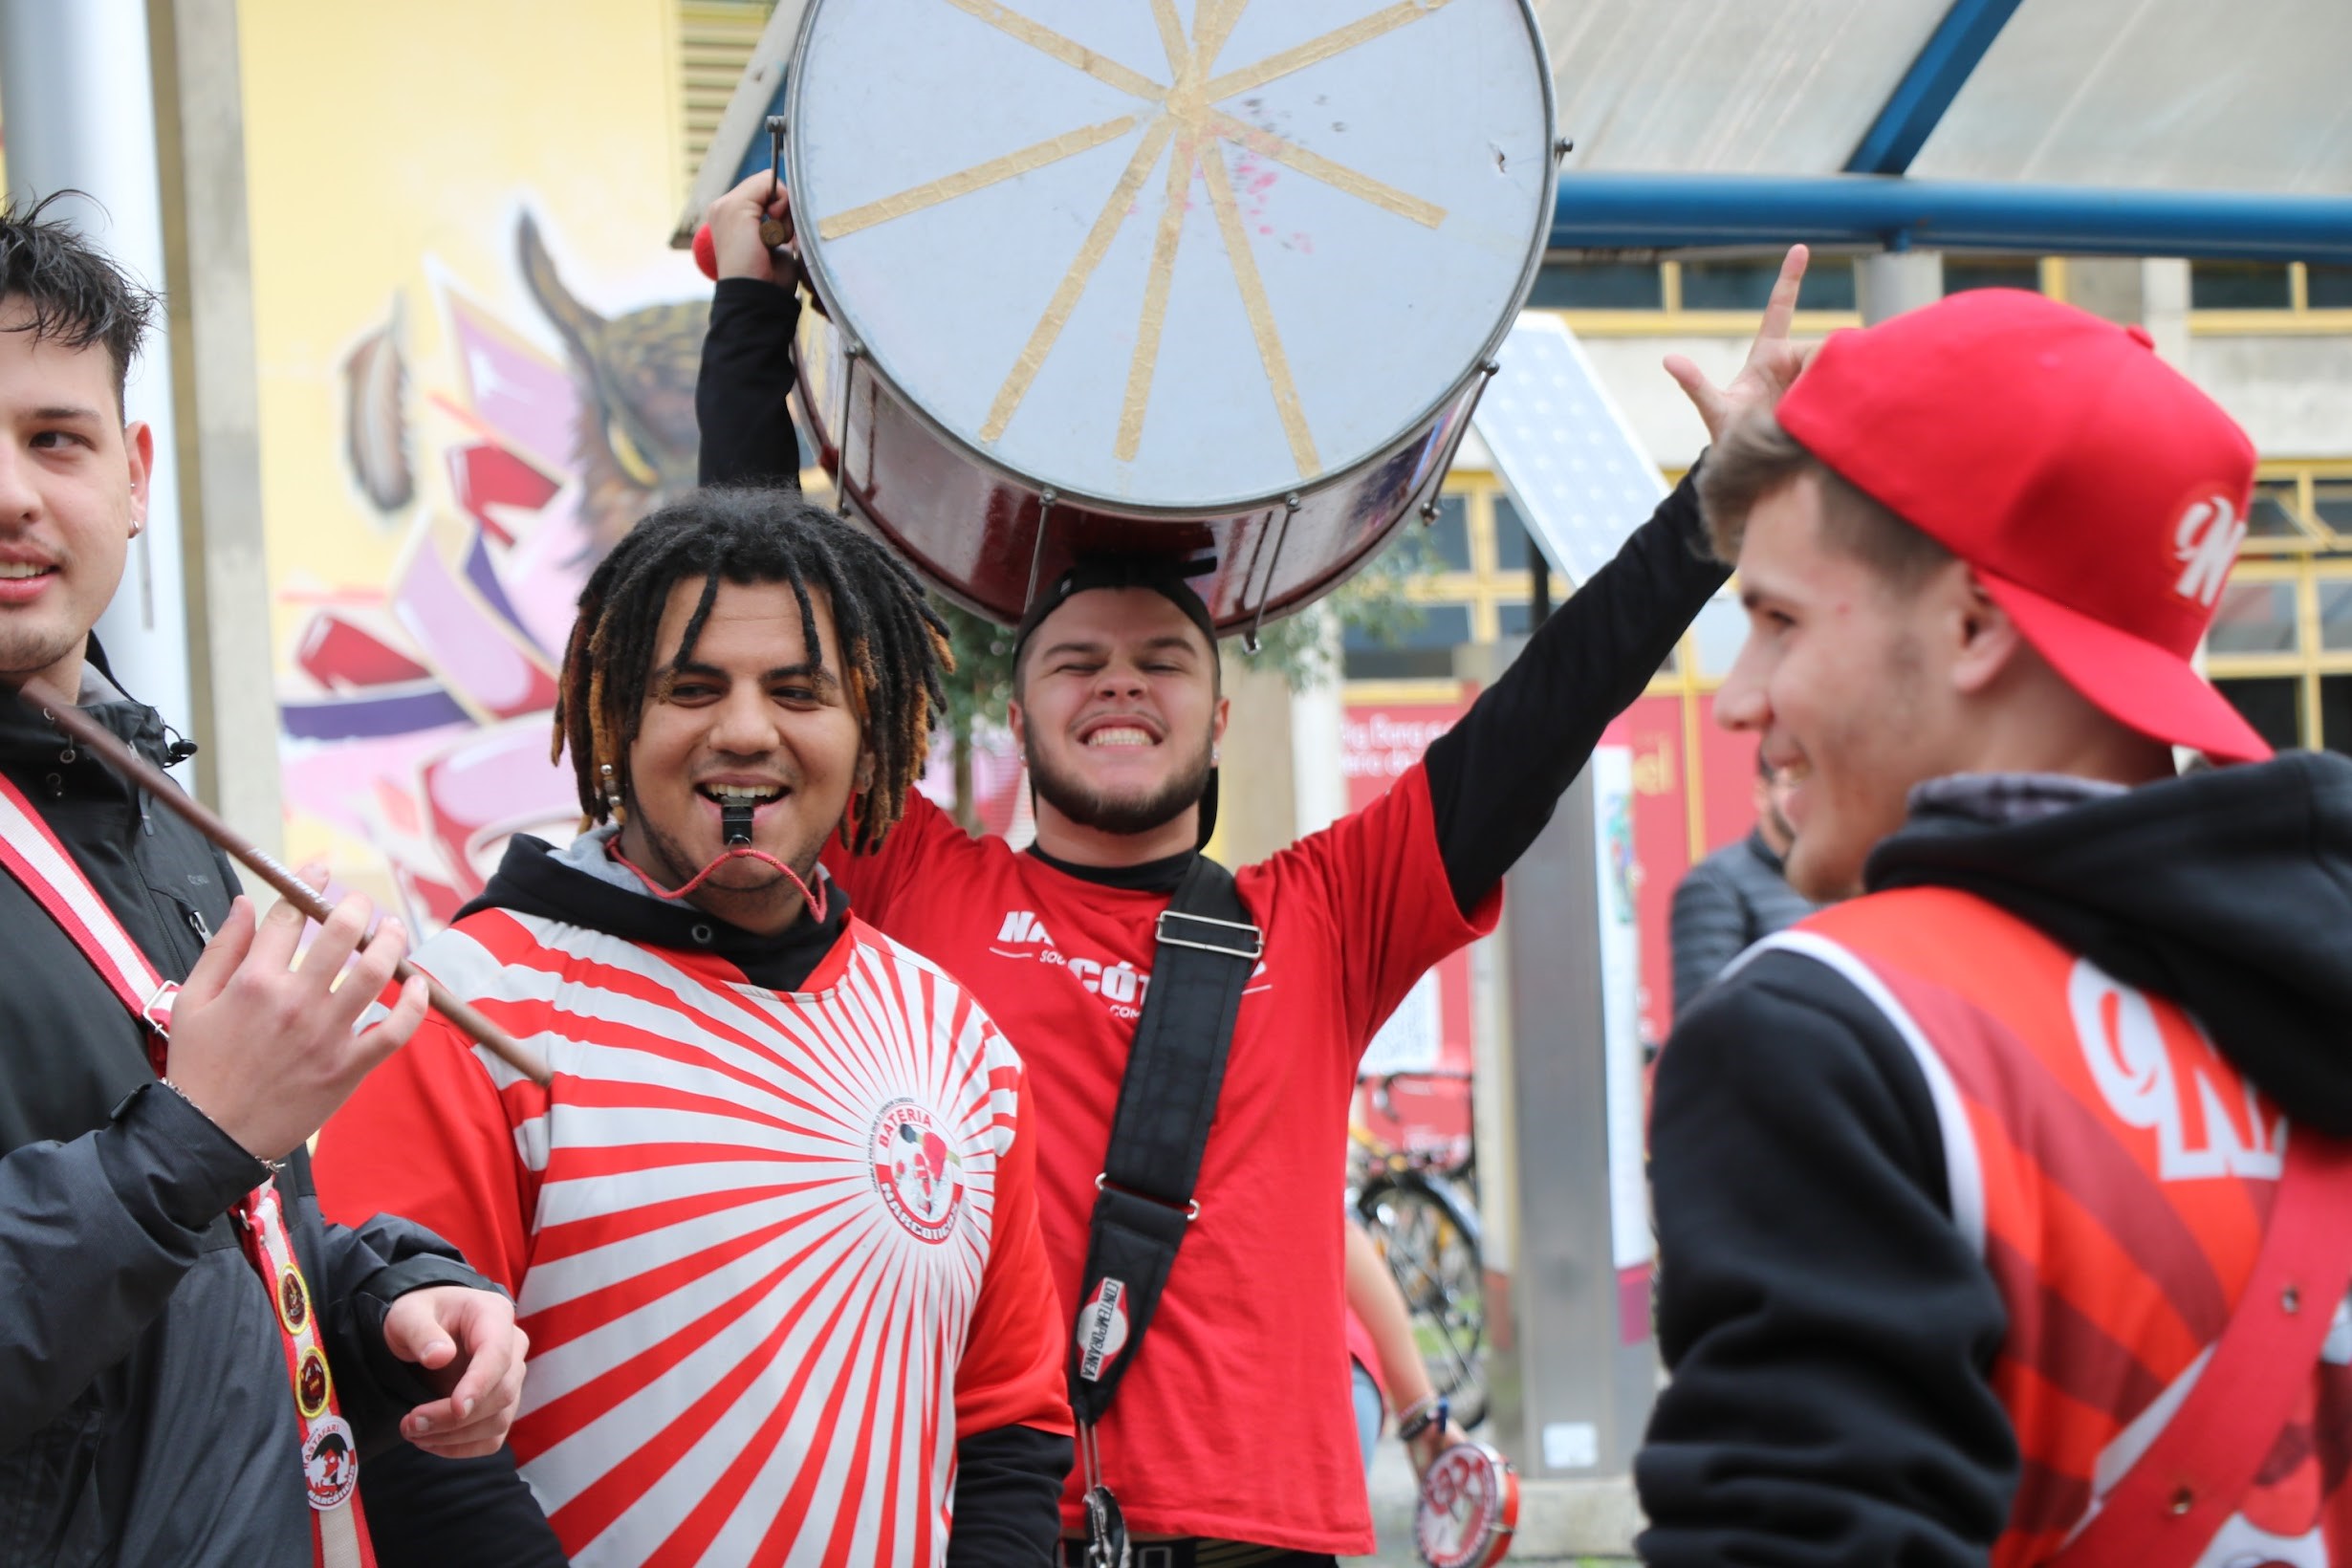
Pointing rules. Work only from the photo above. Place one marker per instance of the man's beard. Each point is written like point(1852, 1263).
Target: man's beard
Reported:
point(1091, 808)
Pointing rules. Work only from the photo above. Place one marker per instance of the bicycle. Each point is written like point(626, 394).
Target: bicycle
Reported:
point(1421, 1209)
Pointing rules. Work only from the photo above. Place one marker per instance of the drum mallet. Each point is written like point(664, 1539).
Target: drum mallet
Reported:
point(84, 730)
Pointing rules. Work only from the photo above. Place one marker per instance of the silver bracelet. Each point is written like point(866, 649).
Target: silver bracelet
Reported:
point(274, 1166)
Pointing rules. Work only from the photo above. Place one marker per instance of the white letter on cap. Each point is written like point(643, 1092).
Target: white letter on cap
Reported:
point(2205, 542)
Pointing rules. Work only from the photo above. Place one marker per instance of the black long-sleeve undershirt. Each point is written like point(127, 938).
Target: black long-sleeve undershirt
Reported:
point(1495, 776)
point(432, 1513)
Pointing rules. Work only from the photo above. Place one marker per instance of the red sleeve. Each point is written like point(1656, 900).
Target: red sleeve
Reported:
point(425, 1137)
point(1011, 1372)
point(1382, 878)
point(872, 880)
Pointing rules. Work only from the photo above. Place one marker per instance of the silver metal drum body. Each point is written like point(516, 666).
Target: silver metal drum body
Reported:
point(1179, 275)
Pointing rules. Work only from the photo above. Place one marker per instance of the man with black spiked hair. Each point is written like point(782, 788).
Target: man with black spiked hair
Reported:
point(773, 1228)
point(192, 1360)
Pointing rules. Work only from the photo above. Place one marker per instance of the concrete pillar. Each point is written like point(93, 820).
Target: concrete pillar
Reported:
point(80, 110)
point(199, 112)
point(2112, 287)
point(1319, 781)
point(1254, 794)
point(2163, 300)
point(1891, 282)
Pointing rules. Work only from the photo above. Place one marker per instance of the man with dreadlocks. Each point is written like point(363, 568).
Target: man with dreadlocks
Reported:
point(773, 1230)
point(1232, 1442)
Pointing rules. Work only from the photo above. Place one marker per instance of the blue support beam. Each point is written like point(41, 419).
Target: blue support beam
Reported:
point(1945, 62)
point(1673, 212)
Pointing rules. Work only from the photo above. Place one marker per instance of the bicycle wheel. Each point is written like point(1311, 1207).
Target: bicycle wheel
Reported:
point(1430, 1243)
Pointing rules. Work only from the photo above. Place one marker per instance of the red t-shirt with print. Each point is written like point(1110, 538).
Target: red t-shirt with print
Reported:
point(1235, 1420)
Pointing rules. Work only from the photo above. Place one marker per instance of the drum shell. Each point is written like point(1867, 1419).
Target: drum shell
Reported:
point(984, 536)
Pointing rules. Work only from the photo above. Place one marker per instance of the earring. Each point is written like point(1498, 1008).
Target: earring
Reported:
point(1216, 755)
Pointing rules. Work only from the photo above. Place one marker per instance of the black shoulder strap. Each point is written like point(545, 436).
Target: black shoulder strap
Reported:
point(1207, 949)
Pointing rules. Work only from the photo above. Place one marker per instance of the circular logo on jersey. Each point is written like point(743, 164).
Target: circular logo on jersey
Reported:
point(920, 1178)
point(1470, 1504)
point(311, 1386)
point(294, 1302)
point(330, 1464)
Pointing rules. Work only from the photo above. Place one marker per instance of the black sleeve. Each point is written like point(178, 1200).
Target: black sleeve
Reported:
point(425, 1512)
point(1495, 776)
point(95, 1235)
point(1830, 1332)
point(1008, 1499)
point(740, 395)
point(1709, 928)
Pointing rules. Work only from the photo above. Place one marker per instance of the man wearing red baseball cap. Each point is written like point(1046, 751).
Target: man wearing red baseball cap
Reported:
point(2002, 1211)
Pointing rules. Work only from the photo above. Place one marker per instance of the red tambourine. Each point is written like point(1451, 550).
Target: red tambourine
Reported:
point(1470, 1506)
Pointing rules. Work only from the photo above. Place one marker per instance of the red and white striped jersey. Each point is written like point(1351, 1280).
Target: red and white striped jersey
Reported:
point(775, 1249)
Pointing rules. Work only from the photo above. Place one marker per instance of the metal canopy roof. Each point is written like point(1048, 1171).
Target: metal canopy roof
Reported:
point(2244, 96)
point(2210, 127)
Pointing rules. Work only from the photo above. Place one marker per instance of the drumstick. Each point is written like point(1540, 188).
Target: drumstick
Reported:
point(85, 731)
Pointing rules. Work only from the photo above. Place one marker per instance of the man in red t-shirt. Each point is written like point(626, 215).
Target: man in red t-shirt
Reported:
point(1233, 1424)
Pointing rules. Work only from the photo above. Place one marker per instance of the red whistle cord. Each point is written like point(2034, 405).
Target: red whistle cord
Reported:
point(814, 901)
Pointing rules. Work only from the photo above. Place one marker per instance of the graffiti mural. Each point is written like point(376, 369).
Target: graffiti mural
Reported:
point(417, 717)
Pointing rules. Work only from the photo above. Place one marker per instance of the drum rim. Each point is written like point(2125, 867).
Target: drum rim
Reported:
point(821, 283)
point(1229, 625)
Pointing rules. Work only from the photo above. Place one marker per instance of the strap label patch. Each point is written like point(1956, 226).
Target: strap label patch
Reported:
point(1101, 1329)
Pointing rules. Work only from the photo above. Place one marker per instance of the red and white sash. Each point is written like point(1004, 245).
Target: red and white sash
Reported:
point(33, 856)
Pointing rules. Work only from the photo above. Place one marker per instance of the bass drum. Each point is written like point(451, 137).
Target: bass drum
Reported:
point(1181, 275)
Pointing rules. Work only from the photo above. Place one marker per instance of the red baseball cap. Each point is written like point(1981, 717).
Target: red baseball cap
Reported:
point(2097, 494)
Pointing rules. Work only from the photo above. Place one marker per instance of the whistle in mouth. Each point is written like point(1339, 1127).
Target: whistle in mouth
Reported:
point(735, 823)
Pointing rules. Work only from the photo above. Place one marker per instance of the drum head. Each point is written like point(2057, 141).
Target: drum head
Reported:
point(1174, 257)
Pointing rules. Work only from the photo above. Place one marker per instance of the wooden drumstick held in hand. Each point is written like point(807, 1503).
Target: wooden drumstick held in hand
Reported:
point(85, 731)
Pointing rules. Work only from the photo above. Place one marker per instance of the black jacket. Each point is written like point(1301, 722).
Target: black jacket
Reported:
point(1735, 897)
point(145, 1412)
point(1830, 1333)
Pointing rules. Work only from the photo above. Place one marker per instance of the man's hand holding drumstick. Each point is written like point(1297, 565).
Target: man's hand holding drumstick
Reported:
point(738, 248)
point(263, 1039)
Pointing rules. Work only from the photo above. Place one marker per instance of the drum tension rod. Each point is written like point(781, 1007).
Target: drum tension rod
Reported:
point(1046, 499)
point(1264, 592)
point(1486, 372)
point(771, 231)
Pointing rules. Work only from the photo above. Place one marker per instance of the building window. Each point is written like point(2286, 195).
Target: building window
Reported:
point(1598, 286)
point(1449, 532)
point(1747, 284)
point(1422, 650)
point(2239, 286)
point(2327, 287)
point(2256, 297)
point(1962, 273)
point(2254, 618)
point(2268, 703)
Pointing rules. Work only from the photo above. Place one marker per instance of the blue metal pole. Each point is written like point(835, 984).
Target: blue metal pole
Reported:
point(1944, 63)
point(1669, 211)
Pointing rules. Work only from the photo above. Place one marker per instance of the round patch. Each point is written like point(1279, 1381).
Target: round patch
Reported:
point(920, 1178)
point(330, 1464)
point(1469, 1507)
point(1102, 1328)
point(312, 1384)
point(294, 1302)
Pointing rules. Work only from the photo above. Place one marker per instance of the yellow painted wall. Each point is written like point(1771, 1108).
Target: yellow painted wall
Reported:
point(390, 151)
